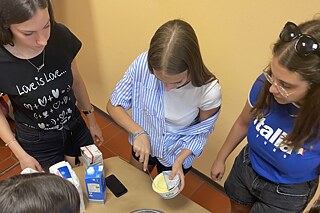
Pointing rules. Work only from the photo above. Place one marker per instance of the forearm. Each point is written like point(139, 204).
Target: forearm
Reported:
point(81, 93)
point(182, 156)
point(8, 137)
point(84, 103)
point(237, 133)
point(121, 117)
point(315, 207)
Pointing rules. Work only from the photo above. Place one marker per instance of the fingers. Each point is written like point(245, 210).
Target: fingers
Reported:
point(100, 137)
point(141, 157)
point(216, 177)
point(182, 179)
point(220, 176)
point(96, 134)
point(172, 174)
point(136, 151)
point(38, 167)
point(98, 140)
point(145, 163)
point(182, 184)
point(141, 148)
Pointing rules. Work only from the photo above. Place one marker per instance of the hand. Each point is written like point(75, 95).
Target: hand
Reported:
point(141, 147)
point(29, 162)
point(96, 134)
point(315, 208)
point(177, 170)
point(217, 170)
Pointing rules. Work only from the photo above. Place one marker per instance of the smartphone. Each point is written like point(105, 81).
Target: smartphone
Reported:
point(115, 186)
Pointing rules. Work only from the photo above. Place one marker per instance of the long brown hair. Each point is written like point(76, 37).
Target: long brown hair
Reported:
point(307, 123)
point(174, 48)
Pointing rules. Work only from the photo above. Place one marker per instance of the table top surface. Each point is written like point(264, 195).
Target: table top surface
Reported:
point(140, 194)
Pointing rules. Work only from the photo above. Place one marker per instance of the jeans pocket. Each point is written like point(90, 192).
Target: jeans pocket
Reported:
point(294, 190)
point(295, 196)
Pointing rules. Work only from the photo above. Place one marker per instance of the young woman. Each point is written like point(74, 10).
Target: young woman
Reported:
point(174, 99)
point(278, 170)
point(40, 76)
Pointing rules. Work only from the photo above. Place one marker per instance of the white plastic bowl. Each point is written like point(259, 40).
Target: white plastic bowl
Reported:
point(159, 185)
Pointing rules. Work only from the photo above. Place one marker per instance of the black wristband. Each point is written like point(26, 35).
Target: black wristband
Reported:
point(86, 112)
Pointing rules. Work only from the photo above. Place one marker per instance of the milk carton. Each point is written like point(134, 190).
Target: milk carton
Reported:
point(91, 155)
point(95, 183)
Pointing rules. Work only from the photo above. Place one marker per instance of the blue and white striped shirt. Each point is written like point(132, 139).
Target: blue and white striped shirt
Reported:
point(144, 94)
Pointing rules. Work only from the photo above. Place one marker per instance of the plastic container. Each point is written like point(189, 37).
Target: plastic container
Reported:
point(166, 188)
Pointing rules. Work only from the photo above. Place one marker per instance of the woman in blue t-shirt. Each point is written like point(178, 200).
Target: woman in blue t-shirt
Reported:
point(278, 170)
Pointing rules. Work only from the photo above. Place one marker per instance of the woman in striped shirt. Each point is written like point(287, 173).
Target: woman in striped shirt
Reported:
point(175, 101)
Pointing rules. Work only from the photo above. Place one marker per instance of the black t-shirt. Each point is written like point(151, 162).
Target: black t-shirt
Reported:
point(44, 99)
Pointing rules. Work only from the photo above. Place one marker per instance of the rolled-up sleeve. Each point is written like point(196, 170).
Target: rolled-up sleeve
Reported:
point(122, 94)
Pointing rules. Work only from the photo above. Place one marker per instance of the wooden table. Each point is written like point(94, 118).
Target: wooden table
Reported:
point(140, 194)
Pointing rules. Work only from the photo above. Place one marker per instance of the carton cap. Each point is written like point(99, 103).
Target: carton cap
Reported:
point(90, 170)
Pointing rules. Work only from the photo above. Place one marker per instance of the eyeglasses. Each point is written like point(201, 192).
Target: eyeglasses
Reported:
point(305, 45)
point(281, 90)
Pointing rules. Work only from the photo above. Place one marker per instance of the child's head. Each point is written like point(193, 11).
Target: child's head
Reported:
point(38, 192)
point(174, 49)
point(298, 50)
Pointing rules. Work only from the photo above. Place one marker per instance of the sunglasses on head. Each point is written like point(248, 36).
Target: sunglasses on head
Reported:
point(305, 45)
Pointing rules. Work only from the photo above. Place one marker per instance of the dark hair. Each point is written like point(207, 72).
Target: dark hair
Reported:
point(18, 11)
point(38, 193)
point(307, 124)
point(174, 48)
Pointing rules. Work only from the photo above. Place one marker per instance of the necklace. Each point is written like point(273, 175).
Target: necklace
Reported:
point(42, 65)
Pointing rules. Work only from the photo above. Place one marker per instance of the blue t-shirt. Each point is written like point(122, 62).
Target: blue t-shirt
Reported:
point(271, 158)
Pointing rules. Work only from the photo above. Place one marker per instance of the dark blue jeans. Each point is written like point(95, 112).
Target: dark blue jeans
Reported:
point(246, 187)
point(50, 146)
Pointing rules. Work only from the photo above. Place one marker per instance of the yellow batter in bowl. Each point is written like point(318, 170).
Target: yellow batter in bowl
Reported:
point(159, 184)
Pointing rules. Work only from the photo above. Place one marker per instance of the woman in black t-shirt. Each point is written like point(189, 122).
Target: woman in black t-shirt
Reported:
point(39, 74)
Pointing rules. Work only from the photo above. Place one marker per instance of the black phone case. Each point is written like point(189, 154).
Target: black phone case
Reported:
point(115, 186)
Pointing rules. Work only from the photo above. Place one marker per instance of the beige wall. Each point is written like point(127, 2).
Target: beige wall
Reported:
point(235, 37)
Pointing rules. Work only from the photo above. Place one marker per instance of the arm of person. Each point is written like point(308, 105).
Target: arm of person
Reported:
point(178, 163)
point(205, 114)
point(315, 208)
point(141, 145)
point(82, 97)
point(177, 167)
point(26, 161)
point(237, 133)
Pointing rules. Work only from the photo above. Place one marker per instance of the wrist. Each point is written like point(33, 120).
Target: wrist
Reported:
point(87, 112)
point(220, 159)
point(179, 161)
point(143, 132)
point(11, 142)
